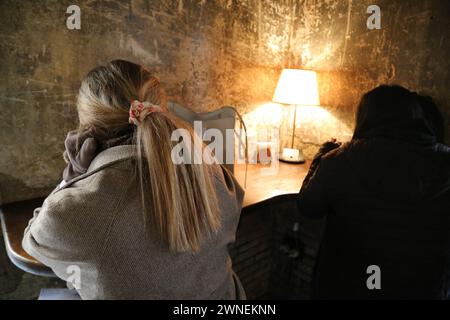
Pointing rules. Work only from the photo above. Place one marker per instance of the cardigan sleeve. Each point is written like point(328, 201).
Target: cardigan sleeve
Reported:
point(68, 232)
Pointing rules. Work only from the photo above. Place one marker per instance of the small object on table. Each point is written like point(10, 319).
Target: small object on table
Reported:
point(292, 156)
point(264, 152)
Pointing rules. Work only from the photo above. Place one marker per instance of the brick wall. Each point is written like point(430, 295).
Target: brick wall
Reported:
point(275, 250)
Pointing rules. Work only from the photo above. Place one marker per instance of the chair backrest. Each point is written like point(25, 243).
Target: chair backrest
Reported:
point(221, 119)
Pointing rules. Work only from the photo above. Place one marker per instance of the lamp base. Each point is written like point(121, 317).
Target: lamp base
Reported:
point(292, 156)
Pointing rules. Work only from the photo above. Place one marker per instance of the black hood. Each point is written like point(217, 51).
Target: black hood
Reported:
point(395, 152)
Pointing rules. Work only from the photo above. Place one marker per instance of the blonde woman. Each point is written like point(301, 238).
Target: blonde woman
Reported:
point(126, 220)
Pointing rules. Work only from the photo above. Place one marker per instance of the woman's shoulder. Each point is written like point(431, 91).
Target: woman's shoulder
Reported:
point(337, 162)
point(348, 150)
point(109, 168)
point(337, 155)
point(93, 191)
point(223, 175)
point(226, 183)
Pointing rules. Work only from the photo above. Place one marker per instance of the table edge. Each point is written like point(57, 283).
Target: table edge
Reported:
point(24, 264)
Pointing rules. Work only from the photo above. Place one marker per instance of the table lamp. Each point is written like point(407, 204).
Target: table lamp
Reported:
point(296, 87)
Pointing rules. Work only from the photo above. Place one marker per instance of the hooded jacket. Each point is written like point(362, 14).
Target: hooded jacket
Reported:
point(386, 199)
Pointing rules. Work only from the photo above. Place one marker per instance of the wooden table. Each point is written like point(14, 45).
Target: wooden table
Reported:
point(264, 183)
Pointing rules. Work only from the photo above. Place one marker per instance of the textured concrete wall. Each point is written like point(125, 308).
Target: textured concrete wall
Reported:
point(207, 53)
point(412, 49)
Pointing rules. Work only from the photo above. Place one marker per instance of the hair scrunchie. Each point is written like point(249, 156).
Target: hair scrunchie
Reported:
point(140, 110)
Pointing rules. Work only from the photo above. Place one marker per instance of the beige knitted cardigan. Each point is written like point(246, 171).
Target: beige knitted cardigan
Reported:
point(91, 232)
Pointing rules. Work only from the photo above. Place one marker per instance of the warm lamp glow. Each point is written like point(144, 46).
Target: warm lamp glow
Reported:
point(298, 87)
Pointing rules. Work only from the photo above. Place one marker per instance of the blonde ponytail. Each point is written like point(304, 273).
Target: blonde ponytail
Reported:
point(178, 199)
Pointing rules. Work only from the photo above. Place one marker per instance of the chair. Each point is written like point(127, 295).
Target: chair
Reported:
point(221, 119)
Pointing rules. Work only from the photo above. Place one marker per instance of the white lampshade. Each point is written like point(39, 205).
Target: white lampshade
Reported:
point(298, 87)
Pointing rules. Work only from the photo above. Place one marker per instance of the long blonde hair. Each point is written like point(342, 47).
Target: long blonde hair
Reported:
point(182, 199)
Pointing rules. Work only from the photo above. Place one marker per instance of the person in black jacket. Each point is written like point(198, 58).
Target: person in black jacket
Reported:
point(386, 199)
point(434, 117)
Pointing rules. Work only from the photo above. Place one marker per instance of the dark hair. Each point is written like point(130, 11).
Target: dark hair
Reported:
point(394, 112)
point(433, 117)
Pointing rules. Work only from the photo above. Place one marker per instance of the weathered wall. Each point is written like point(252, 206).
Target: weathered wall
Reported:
point(412, 49)
point(207, 53)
